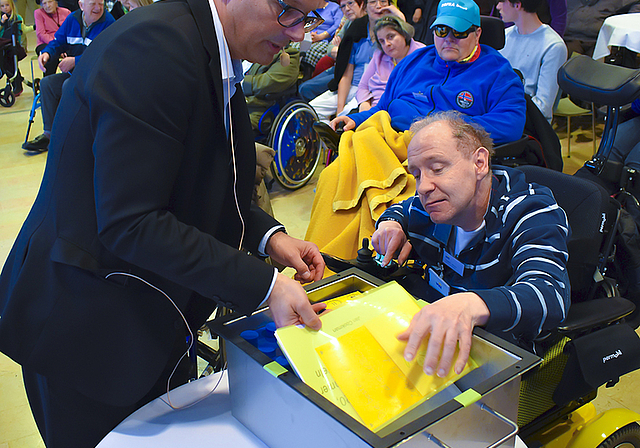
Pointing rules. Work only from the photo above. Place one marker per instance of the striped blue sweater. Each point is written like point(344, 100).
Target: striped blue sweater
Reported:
point(516, 264)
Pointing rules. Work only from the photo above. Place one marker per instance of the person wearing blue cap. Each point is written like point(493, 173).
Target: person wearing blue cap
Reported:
point(457, 73)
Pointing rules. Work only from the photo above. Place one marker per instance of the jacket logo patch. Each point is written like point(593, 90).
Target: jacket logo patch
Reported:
point(464, 99)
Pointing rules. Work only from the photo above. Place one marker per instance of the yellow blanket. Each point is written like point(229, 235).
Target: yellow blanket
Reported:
point(367, 177)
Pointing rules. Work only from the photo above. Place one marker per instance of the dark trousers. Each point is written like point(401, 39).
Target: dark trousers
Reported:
point(50, 94)
point(52, 64)
point(66, 418)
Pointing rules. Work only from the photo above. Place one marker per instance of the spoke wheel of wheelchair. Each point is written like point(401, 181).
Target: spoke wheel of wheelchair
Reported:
point(625, 437)
point(297, 145)
point(7, 98)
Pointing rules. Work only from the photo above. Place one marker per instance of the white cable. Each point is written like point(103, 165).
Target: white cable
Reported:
point(235, 170)
point(191, 342)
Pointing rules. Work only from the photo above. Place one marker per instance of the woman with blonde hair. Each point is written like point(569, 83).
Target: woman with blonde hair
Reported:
point(8, 17)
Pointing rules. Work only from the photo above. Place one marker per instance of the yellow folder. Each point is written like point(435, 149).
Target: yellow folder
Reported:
point(356, 361)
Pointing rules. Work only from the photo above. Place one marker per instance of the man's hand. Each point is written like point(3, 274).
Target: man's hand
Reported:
point(67, 64)
point(417, 15)
point(449, 322)
point(348, 123)
point(388, 238)
point(290, 305)
point(303, 256)
point(42, 60)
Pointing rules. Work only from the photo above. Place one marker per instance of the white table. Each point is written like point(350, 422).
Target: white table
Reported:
point(618, 31)
point(208, 422)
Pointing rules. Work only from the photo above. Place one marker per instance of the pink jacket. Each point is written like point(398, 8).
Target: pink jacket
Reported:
point(375, 76)
point(47, 25)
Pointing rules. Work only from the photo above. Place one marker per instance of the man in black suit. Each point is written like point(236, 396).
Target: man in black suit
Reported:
point(144, 203)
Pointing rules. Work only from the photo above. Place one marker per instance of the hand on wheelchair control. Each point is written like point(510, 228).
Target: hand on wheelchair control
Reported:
point(447, 323)
point(346, 122)
point(390, 238)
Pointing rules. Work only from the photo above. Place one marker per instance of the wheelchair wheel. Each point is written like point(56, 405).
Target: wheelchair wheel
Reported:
point(7, 98)
point(625, 437)
point(297, 145)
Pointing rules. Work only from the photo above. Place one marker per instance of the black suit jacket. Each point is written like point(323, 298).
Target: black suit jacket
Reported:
point(139, 179)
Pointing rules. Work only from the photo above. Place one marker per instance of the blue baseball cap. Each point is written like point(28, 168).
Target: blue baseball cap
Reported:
point(458, 14)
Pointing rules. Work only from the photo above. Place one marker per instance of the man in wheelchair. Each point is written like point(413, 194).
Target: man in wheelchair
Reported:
point(495, 245)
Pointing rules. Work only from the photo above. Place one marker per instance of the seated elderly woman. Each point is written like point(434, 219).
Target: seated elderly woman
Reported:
point(48, 19)
point(353, 57)
point(394, 39)
point(369, 174)
point(332, 15)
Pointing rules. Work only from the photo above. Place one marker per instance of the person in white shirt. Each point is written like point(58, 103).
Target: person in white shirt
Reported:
point(535, 50)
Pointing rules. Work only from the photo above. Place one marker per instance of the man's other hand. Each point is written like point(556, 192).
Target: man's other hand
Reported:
point(42, 60)
point(67, 64)
point(447, 323)
point(303, 256)
point(290, 305)
point(349, 124)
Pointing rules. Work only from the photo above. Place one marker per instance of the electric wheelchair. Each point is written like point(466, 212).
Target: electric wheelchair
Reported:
point(596, 344)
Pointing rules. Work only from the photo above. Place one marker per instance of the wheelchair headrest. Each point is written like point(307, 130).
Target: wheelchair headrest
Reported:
point(583, 78)
point(492, 32)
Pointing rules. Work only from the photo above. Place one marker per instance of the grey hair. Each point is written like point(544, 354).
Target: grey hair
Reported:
point(470, 136)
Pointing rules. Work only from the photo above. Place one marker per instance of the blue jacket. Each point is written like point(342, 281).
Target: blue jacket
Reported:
point(487, 90)
point(517, 263)
point(68, 39)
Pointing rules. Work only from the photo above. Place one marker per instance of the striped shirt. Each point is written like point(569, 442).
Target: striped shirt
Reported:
point(516, 263)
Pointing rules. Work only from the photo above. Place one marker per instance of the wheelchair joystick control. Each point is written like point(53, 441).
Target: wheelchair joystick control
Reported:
point(365, 255)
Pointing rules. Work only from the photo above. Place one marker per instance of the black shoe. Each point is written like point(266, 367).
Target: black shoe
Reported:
point(39, 144)
point(17, 86)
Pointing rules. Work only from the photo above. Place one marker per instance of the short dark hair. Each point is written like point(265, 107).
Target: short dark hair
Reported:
point(400, 26)
point(470, 136)
point(527, 5)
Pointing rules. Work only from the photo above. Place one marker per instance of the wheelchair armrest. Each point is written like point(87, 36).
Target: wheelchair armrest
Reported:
point(596, 312)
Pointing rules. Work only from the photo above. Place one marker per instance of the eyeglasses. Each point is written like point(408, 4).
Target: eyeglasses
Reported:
point(349, 4)
point(379, 2)
point(442, 31)
point(290, 17)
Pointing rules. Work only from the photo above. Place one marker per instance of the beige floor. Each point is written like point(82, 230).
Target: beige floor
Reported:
point(20, 176)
